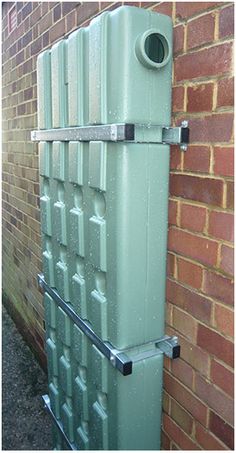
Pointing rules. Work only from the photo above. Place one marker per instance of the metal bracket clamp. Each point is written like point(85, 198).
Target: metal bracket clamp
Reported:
point(136, 133)
point(177, 135)
point(47, 406)
point(169, 346)
point(122, 360)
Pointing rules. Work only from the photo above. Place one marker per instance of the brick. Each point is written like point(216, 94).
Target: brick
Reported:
point(174, 446)
point(178, 99)
point(86, 10)
point(194, 356)
point(178, 44)
point(189, 273)
point(223, 161)
point(71, 20)
point(225, 93)
point(26, 10)
point(206, 440)
point(165, 441)
point(230, 195)
point(224, 320)
point(46, 23)
point(175, 432)
point(187, 399)
point(172, 212)
point(57, 31)
point(170, 264)
point(27, 38)
point(219, 287)
point(183, 371)
point(205, 190)
point(226, 22)
point(200, 97)
point(45, 38)
point(19, 45)
point(146, 4)
point(36, 46)
point(212, 128)
point(35, 31)
point(185, 324)
point(45, 7)
point(116, 5)
point(218, 401)
point(12, 50)
point(164, 8)
point(28, 94)
point(181, 417)
point(104, 4)
point(165, 402)
point(19, 5)
point(192, 246)
point(200, 31)
point(213, 61)
point(21, 109)
point(215, 344)
point(51, 5)
point(57, 12)
point(190, 301)
point(188, 9)
point(227, 259)
point(20, 58)
point(67, 7)
point(222, 430)
point(221, 225)
point(35, 16)
point(192, 217)
point(175, 158)
point(222, 377)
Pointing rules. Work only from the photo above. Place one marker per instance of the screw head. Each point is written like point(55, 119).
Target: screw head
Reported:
point(112, 359)
point(183, 147)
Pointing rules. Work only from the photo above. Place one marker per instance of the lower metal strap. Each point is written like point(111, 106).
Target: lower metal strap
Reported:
point(122, 360)
point(117, 358)
point(47, 405)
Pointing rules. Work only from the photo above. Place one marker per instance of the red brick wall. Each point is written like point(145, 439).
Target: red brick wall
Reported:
point(198, 405)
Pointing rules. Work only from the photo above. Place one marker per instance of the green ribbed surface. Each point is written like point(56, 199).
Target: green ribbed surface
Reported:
point(104, 225)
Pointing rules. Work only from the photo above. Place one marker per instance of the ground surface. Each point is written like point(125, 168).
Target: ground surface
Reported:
point(25, 424)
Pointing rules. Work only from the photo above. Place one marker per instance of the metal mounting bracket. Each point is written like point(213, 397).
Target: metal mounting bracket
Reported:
point(121, 359)
point(136, 133)
point(47, 406)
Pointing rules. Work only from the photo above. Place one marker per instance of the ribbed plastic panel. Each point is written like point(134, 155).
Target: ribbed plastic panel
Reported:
point(104, 225)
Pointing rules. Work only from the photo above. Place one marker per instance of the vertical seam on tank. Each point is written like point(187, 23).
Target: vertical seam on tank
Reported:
point(103, 68)
point(150, 81)
point(147, 241)
point(65, 74)
point(60, 59)
point(81, 69)
point(48, 118)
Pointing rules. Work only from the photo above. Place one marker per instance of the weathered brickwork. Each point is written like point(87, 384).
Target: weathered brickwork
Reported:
point(198, 395)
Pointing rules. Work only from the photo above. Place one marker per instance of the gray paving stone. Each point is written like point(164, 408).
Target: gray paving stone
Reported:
point(25, 424)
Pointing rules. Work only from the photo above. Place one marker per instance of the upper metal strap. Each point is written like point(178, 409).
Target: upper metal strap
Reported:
point(137, 133)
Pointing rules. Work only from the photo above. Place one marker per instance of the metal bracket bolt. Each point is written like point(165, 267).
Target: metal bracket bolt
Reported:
point(184, 146)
